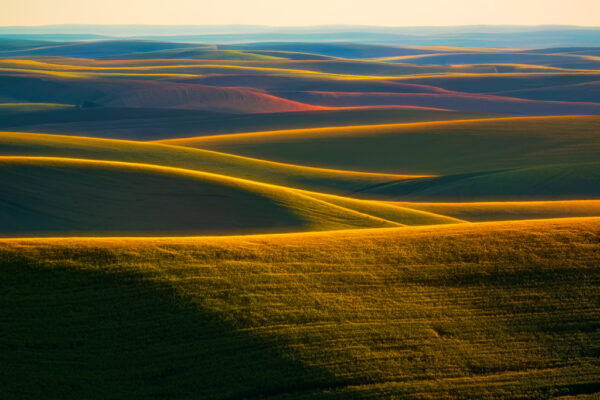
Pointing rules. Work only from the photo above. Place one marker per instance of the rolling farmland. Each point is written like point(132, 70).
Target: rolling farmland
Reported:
point(320, 219)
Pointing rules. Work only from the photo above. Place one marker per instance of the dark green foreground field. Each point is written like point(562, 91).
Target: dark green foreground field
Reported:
point(506, 310)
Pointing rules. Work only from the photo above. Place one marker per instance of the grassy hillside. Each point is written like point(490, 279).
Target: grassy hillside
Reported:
point(432, 147)
point(94, 48)
point(463, 102)
point(157, 123)
point(114, 198)
point(492, 83)
point(64, 87)
point(511, 210)
point(462, 58)
point(587, 91)
point(196, 53)
point(546, 182)
point(497, 310)
point(315, 179)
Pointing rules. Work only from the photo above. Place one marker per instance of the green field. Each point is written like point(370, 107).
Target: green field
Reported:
point(435, 147)
point(316, 179)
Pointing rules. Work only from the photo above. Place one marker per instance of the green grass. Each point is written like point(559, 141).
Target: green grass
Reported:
point(497, 310)
point(546, 182)
point(446, 147)
point(506, 210)
point(66, 197)
point(314, 179)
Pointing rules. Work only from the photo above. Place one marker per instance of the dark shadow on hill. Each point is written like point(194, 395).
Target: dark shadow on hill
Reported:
point(74, 333)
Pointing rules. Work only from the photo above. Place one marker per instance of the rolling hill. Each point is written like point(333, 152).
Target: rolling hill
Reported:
point(507, 210)
point(197, 216)
point(466, 311)
point(92, 48)
point(143, 94)
point(297, 176)
point(159, 123)
point(572, 61)
point(115, 198)
point(448, 147)
point(456, 101)
point(587, 91)
point(546, 182)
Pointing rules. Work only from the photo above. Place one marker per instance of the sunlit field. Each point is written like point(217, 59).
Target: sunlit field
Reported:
point(266, 216)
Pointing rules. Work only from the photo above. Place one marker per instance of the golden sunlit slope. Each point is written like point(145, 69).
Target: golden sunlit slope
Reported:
point(511, 210)
point(315, 179)
point(60, 196)
point(445, 147)
point(495, 310)
point(388, 211)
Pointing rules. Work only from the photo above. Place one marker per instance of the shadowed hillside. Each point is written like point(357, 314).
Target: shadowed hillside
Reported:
point(435, 147)
point(112, 198)
point(144, 94)
point(160, 123)
point(423, 313)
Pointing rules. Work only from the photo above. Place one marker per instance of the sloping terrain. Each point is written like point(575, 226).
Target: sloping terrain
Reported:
point(91, 49)
point(546, 182)
point(448, 147)
point(465, 102)
point(572, 61)
point(314, 179)
point(509, 210)
point(304, 219)
point(508, 310)
point(160, 123)
point(143, 94)
point(59, 196)
point(587, 91)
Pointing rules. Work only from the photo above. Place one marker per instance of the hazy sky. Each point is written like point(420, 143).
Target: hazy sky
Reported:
point(301, 12)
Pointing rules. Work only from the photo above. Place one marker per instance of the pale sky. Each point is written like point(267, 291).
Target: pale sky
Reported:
point(301, 12)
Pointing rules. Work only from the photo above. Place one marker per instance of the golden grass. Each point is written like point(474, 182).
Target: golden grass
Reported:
point(503, 310)
point(510, 210)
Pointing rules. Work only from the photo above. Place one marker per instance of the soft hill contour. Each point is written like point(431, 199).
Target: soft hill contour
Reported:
point(472, 311)
point(56, 196)
point(445, 147)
